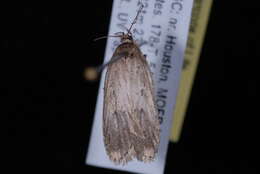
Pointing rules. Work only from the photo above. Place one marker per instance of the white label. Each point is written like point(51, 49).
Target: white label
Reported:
point(164, 25)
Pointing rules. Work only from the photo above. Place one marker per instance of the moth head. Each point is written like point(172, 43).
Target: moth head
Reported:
point(126, 38)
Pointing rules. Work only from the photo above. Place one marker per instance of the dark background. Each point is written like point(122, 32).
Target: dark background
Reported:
point(45, 48)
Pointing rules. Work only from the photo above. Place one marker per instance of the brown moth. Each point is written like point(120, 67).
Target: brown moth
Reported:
point(131, 127)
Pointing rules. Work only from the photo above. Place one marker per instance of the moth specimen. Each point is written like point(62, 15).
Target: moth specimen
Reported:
point(131, 127)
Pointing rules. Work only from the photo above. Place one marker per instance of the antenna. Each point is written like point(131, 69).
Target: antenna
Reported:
point(103, 37)
point(135, 20)
point(115, 35)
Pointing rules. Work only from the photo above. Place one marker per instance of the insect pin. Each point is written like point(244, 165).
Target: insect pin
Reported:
point(131, 127)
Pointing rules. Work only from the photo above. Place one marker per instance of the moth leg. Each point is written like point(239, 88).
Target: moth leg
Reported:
point(112, 60)
point(120, 32)
point(118, 56)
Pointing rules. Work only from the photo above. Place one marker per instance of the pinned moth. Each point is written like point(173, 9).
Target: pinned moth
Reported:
point(131, 127)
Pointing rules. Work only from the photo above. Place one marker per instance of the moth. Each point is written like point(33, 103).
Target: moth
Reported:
point(131, 126)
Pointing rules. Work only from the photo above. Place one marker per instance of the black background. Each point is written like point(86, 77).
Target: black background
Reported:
point(50, 106)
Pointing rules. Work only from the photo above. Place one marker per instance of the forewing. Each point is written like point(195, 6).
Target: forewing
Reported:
point(130, 120)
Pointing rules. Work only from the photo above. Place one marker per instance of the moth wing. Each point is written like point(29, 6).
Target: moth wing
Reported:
point(130, 120)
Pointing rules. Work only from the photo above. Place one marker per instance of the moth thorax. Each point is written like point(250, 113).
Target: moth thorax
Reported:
point(127, 41)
